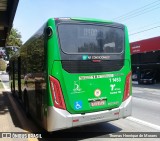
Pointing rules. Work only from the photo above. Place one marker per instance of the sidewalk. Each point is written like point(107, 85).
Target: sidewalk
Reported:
point(7, 116)
point(8, 119)
point(12, 117)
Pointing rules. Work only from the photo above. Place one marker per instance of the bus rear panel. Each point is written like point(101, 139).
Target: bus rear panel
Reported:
point(90, 78)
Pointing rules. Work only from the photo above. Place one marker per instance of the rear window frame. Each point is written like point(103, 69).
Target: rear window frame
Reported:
point(119, 26)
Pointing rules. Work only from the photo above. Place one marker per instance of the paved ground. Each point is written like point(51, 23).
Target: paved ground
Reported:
point(8, 119)
point(146, 103)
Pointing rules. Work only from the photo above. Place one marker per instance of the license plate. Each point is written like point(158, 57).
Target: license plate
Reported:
point(97, 103)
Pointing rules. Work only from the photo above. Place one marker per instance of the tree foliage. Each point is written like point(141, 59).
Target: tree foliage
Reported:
point(14, 38)
point(13, 43)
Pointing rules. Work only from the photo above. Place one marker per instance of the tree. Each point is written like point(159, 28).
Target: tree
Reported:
point(14, 38)
point(13, 42)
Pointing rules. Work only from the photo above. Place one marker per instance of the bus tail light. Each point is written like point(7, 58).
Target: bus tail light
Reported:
point(57, 93)
point(127, 87)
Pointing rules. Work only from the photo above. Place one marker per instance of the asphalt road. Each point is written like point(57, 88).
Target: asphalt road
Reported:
point(145, 117)
point(146, 103)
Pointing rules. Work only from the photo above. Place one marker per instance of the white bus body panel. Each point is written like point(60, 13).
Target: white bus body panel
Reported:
point(58, 119)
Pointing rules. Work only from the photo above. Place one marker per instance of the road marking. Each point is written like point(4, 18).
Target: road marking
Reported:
point(144, 123)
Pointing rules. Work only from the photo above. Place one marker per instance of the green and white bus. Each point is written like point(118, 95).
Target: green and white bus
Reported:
point(74, 72)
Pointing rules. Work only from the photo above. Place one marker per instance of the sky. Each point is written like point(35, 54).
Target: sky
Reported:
point(141, 17)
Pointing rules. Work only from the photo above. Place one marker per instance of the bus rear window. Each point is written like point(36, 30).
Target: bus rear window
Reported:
point(88, 38)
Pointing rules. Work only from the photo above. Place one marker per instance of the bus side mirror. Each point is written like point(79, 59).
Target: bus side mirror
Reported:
point(49, 31)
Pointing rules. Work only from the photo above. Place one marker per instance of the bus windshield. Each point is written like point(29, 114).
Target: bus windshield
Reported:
point(90, 38)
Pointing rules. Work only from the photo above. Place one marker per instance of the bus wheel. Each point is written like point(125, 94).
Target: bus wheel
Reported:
point(12, 90)
point(26, 106)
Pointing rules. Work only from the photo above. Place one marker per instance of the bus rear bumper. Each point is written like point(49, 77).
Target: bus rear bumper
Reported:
point(61, 119)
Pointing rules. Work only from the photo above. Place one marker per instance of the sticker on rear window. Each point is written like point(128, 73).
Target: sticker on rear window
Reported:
point(85, 57)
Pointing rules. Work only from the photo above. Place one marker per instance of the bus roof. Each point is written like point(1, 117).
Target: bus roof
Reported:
point(92, 20)
point(85, 19)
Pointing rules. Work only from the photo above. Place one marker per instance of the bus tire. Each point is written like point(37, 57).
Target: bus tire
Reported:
point(12, 90)
point(26, 105)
